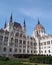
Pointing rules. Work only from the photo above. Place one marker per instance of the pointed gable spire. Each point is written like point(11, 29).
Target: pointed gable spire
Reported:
point(11, 18)
point(5, 25)
point(24, 26)
point(24, 23)
point(38, 21)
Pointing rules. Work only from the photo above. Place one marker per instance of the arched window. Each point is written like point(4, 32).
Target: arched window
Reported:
point(49, 51)
point(17, 34)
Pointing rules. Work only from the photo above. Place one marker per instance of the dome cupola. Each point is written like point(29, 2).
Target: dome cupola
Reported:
point(39, 29)
point(39, 26)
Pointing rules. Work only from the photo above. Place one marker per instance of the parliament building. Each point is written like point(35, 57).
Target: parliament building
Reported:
point(14, 40)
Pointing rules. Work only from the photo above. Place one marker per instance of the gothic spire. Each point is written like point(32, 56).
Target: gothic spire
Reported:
point(11, 18)
point(5, 25)
point(24, 26)
point(38, 21)
point(24, 23)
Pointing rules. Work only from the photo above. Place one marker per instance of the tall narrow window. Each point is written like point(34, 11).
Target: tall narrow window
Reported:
point(49, 51)
point(10, 49)
point(4, 49)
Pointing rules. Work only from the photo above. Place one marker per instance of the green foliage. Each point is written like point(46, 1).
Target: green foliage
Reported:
point(35, 64)
point(7, 61)
point(12, 63)
point(4, 58)
point(22, 55)
point(34, 59)
point(41, 59)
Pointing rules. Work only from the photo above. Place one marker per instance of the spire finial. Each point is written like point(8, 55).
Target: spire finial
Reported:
point(5, 25)
point(24, 23)
point(11, 18)
point(24, 26)
point(38, 21)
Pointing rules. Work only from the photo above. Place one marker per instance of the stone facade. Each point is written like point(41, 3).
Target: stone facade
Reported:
point(14, 40)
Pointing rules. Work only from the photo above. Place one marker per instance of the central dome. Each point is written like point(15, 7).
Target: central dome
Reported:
point(39, 30)
point(39, 26)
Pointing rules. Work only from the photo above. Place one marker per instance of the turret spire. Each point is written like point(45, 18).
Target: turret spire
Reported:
point(5, 25)
point(24, 26)
point(38, 21)
point(11, 18)
point(24, 23)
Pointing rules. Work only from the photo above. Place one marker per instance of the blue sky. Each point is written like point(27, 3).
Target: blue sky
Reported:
point(30, 10)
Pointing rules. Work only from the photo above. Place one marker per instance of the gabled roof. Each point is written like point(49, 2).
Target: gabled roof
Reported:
point(17, 25)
